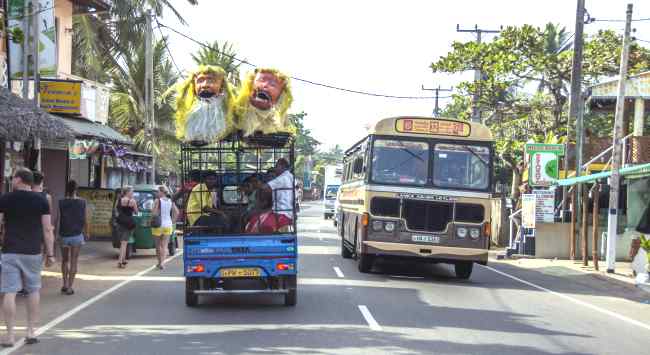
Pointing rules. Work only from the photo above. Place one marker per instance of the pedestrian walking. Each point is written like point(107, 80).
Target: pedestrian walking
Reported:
point(166, 212)
point(73, 231)
point(126, 208)
point(27, 225)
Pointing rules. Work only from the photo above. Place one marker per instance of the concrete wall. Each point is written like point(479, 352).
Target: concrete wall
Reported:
point(552, 241)
point(63, 13)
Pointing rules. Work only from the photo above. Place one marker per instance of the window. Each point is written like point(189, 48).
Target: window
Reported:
point(461, 166)
point(400, 162)
point(145, 200)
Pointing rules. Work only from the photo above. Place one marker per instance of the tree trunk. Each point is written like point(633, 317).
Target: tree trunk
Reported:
point(514, 189)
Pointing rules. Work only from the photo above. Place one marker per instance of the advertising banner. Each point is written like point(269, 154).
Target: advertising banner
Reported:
point(544, 163)
point(100, 206)
point(46, 40)
point(61, 96)
point(544, 206)
point(528, 210)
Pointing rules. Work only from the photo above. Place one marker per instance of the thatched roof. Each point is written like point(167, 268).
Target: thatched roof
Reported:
point(21, 120)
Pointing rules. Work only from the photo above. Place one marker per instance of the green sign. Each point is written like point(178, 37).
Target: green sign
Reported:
point(557, 149)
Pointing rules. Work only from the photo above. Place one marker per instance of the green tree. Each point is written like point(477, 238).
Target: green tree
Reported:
point(220, 55)
point(127, 104)
point(306, 145)
point(103, 40)
point(517, 58)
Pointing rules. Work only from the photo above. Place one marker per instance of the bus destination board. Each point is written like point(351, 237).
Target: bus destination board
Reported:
point(434, 127)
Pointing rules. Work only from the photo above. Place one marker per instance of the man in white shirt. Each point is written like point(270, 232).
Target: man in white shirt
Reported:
point(283, 189)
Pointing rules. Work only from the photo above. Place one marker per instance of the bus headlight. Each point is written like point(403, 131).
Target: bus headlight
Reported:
point(461, 232)
point(474, 233)
point(389, 226)
point(377, 226)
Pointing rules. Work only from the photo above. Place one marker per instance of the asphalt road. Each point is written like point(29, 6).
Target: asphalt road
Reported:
point(398, 309)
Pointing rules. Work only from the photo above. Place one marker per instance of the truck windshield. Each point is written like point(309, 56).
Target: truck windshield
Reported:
point(461, 166)
point(330, 192)
point(400, 162)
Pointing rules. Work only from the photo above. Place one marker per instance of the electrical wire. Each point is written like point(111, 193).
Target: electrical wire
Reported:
point(595, 19)
point(164, 39)
point(306, 81)
point(641, 40)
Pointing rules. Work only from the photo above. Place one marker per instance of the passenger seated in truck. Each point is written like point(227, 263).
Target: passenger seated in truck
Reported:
point(265, 220)
point(203, 204)
point(249, 189)
point(282, 188)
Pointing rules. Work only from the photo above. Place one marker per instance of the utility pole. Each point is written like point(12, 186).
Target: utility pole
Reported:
point(576, 105)
point(35, 53)
point(476, 111)
point(26, 11)
point(612, 217)
point(148, 90)
point(436, 110)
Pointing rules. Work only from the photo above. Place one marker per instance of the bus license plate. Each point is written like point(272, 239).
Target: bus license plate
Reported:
point(240, 272)
point(426, 238)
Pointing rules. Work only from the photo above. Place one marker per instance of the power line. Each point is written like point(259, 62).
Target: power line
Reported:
point(162, 36)
point(328, 86)
point(595, 19)
point(641, 40)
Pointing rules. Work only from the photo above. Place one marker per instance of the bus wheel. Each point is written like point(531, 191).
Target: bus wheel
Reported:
point(464, 269)
point(364, 263)
point(191, 285)
point(345, 252)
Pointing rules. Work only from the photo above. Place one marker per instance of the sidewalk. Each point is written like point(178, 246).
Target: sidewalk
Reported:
point(97, 272)
point(623, 275)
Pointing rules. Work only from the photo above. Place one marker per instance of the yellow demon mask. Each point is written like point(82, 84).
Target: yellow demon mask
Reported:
point(204, 106)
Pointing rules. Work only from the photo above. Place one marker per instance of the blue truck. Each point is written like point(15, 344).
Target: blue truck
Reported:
point(220, 253)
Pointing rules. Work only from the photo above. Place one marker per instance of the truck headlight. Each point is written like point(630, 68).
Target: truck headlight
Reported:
point(461, 232)
point(377, 225)
point(474, 233)
point(389, 226)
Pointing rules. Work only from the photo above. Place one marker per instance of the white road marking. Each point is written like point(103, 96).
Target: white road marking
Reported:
point(574, 300)
point(369, 318)
point(338, 272)
point(60, 319)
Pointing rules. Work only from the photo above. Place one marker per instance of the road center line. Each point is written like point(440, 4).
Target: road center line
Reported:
point(60, 319)
point(338, 272)
point(369, 318)
point(574, 300)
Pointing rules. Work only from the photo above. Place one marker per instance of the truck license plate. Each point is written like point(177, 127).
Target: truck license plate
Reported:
point(426, 238)
point(240, 272)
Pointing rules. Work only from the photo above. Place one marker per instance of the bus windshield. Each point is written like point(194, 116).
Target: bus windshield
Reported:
point(400, 162)
point(461, 166)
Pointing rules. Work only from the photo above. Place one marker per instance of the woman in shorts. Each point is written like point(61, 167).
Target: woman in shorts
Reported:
point(168, 214)
point(74, 232)
point(127, 207)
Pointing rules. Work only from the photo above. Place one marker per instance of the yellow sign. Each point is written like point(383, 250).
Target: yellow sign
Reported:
point(61, 96)
point(432, 126)
point(100, 205)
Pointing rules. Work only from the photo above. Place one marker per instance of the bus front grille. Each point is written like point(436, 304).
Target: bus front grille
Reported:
point(427, 216)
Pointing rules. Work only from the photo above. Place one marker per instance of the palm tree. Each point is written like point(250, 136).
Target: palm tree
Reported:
point(556, 42)
point(127, 104)
point(103, 40)
point(220, 55)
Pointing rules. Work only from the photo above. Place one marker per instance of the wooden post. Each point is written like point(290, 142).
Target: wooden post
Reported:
point(572, 239)
point(583, 227)
point(594, 227)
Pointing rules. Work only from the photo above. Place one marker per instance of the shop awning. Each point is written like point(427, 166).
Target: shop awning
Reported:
point(88, 129)
point(630, 171)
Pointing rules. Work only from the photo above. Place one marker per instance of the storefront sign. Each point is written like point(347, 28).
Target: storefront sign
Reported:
point(61, 96)
point(543, 169)
point(82, 149)
point(100, 206)
point(528, 210)
point(430, 126)
point(544, 206)
point(46, 39)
